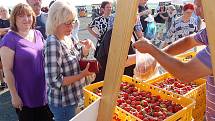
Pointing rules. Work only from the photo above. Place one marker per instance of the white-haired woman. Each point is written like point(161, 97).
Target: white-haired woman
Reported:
point(64, 78)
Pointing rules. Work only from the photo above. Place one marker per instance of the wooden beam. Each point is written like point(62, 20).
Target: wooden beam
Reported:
point(122, 31)
point(209, 14)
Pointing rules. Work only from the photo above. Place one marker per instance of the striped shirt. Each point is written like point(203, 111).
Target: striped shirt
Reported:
point(205, 57)
point(61, 60)
point(180, 29)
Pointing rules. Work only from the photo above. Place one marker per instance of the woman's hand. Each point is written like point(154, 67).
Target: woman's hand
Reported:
point(87, 44)
point(17, 102)
point(86, 72)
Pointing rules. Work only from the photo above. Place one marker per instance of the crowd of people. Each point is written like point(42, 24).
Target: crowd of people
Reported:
point(40, 53)
point(40, 61)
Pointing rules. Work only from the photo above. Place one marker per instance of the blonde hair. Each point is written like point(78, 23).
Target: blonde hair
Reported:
point(20, 9)
point(60, 12)
point(7, 11)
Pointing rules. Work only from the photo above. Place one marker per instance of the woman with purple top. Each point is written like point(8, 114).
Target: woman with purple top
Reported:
point(198, 67)
point(22, 59)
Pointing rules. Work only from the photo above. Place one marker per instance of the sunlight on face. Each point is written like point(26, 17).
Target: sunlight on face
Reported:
point(24, 21)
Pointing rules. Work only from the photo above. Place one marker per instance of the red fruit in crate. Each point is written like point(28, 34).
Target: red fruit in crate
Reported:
point(152, 119)
point(170, 80)
point(127, 108)
point(142, 93)
point(152, 101)
point(125, 95)
point(135, 90)
point(137, 103)
point(157, 109)
point(146, 119)
point(123, 105)
point(148, 110)
point(140, 116)
point(156, 114)
point(120, 101)
point(170, 109)
point(135, 94)
point(132, 98)
point(131, 89)
point(148, 100)
point(177, 108)
point(168, 102)
point(139, 108)
point(144, 103)
point(133, 113)
point(137, 98)
point(148, 95)
point(162, 105)
point(128, 101)
point(143, 98)
point(164, 115)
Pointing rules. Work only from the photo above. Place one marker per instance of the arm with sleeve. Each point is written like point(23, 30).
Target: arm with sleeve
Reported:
point(53, 64)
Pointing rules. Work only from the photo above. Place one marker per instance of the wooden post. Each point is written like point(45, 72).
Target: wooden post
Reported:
point(209, 14)
point(126, 12)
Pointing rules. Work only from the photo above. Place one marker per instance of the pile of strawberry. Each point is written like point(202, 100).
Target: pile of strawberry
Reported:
point(176, 86)
point(144, 105)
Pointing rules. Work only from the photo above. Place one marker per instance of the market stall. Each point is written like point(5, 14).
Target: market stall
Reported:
point(115, 87)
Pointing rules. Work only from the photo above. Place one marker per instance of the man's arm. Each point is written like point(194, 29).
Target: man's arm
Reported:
point(181, 45)
point(190, 71)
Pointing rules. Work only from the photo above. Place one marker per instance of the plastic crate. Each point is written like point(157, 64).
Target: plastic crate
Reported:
point(198, 94)
point(199, 113)
point(186, 56)
point(183, 115)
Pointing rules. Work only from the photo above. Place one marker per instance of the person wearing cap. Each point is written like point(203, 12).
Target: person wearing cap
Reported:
point(198, 67)
point(184, 25)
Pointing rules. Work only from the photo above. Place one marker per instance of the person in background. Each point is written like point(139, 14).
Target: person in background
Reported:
point(172, 13)
point(40, 16)
point(65, 80)
point(160, 19)
point(4, 28)
point(21, 52)
point(95, 12)
point(184, 25)
point(99, 25)
point(4, 21)
point(102, 56)
point(143, 12)
point(150, 32)
point(198, 67)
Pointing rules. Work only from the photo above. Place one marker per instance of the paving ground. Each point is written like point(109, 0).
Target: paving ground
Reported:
point(7, 113)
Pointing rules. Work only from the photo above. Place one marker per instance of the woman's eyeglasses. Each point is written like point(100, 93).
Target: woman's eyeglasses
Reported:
point(70, 22)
